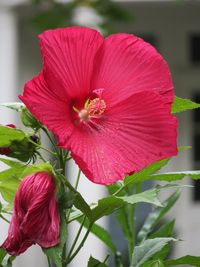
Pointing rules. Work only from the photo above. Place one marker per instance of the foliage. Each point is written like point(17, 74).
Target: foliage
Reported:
point(149, 247)
point(52, 14)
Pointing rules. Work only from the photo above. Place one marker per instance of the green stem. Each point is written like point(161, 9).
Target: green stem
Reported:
point(41, 157)
point(81, 244)
point(76, 186)
point(2, 217)
point(78, 179)
point(119, 190)
point(62, 162)
point(46, 149)
point(131, 220)
point(49, 263)
point(50, 139)
point(76, 238)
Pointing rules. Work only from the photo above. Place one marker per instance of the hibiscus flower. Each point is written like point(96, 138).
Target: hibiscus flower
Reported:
point(108, 101)
point(35, 217)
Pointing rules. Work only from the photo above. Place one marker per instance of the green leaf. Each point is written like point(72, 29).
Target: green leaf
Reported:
point(55, 253)
point(148, 196)
point(82, 205)
point(174, 176)
point(2, 254)
point(102, 234)
point(9, 182)
point(122, 217)
point(143, 175)
point(11, 163)
point(148, 249)
point(109, 204)
point(8, 261)
point(106, 206)
point(154, 263)
point(13, 105)
point(8, 135)
point(183, 104)
point(8, 189)
point(79, 202)
point(115, 187)
point(188, 260)
point(95, 263)
point(74, 215)
point(156, 215)
point(165, 230)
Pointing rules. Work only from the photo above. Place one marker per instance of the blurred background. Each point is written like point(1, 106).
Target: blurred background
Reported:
point(173, 27)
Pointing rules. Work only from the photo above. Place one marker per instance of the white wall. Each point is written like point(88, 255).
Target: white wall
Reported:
point(170, 23)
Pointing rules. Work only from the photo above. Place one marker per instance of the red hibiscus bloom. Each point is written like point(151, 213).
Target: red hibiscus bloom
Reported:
point(108, 101)
point(35, 217)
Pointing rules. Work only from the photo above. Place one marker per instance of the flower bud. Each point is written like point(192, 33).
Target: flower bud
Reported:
point(7, 150)
point(29, 120)
point(35, 217)
point(22, 149)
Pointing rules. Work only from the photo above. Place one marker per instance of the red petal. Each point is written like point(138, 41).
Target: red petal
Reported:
point(47, 107)
point(68, 56)
point(128, 65)
point(131, 135)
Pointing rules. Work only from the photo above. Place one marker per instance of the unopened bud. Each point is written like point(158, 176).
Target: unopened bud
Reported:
point(29, 120)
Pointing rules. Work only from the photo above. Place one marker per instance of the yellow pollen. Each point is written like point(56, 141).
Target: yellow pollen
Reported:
point(96, 107)
point(92, 108)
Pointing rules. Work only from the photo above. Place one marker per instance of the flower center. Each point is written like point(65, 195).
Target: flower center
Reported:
point(92, 108)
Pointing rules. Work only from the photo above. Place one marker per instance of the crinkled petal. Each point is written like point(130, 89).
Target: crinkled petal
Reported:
point(68, 55)
point(130, 136)
point(44, 199)
point(47, 107)
point(128, 65)
point(36, 217)
point(16, 242)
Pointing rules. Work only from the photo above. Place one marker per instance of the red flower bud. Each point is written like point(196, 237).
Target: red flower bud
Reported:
point(11, 125)
point(6, 150)
point(35, 217)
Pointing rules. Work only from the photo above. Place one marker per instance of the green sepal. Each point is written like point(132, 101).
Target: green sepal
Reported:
point(43, 167)
point(13, 105)
point(19, 143)
point(29, 120)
